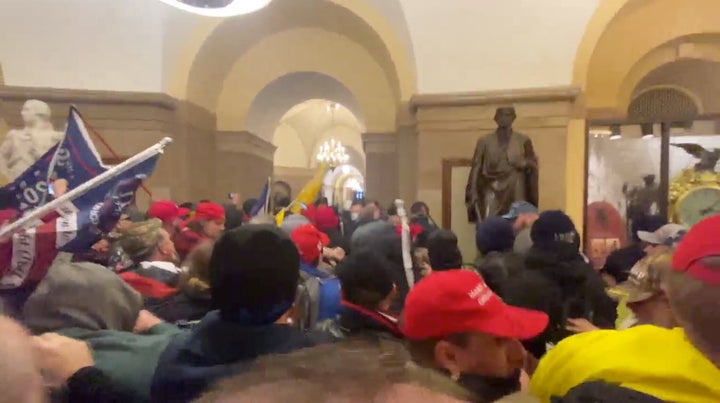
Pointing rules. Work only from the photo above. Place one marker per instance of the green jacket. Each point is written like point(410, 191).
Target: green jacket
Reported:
point(128, 359)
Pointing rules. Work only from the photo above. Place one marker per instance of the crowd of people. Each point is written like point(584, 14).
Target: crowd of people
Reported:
point(204, 302)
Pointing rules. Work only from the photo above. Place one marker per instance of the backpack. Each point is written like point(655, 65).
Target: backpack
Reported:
point(603, 392)
point(311, 290)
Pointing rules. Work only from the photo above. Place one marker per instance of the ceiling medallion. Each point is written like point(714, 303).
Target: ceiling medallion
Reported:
point(218, 8)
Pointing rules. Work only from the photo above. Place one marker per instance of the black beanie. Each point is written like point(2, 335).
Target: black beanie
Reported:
point(495, 234)
point(254, 270)
point(443, 251)
point(365, 271)
point(554, 226)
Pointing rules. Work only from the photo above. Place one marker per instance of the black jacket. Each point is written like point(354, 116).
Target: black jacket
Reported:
point(558, 281)
point(354, 320)
point(181, 307)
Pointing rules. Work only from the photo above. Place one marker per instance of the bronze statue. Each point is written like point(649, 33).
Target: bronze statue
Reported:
point(504, 170)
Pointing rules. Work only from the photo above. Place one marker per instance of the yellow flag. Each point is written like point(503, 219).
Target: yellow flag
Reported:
point(309, 192)
point(279, 217)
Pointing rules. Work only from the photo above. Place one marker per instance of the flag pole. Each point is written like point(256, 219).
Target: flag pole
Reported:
point(267, 197)
point(43, 210)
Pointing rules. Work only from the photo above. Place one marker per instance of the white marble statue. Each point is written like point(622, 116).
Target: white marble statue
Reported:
point(22, 147)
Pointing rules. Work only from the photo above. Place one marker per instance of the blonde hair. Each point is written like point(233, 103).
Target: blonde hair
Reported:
point(196, 277)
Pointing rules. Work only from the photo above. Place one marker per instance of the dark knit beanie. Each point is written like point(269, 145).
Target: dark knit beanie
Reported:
point(443, 251)
point(365, 272)
point(254, 272)
point(554, 226)
point(495, 234)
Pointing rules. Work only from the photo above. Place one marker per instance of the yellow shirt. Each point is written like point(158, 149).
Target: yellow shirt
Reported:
point(653, 360)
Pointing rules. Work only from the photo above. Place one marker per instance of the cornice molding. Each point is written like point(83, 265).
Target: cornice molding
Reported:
point(72, 96)
point(544, 94)
point(379, 142)
point(244, 142)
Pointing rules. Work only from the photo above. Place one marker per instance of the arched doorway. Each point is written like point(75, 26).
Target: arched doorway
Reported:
point(342, 185)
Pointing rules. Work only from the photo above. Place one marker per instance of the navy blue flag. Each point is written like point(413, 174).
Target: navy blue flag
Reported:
point(74, 159)
point(84, 220)
point(260, 203)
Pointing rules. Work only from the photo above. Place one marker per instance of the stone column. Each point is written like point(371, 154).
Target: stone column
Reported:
point(381, 167)
point(242, 162)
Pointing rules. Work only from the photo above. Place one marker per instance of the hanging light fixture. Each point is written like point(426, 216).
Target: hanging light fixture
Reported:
point(218, 8)
point(332, 152)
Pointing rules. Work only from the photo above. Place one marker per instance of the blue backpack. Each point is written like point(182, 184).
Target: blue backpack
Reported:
point(317, 299)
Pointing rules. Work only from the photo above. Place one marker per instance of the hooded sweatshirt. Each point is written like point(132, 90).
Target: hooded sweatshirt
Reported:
point(90, 303)
point(558, 281)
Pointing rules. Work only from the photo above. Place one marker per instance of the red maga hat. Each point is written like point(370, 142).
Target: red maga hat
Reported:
point(459, 301)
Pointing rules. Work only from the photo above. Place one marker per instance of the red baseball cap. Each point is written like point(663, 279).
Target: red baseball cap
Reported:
point(166, 210)
point(309, 241)
point(703, 240)
point(326, 218)
point(459, 301)
point(209, 211)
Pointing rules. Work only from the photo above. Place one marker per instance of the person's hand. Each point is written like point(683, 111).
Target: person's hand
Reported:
point(145, 322)
point(60, 357)
point(60, 186)
point(580, 325)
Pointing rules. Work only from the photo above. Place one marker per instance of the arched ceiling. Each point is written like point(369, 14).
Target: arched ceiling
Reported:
point(292, 89)
point(701, 78)
point(311, 123)
point(331, 55)
point(621, 47)
point(211, 48)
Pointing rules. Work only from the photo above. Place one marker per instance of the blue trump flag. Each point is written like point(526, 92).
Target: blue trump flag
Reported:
point(74, 159)
point(260, 204)
point(88, 217)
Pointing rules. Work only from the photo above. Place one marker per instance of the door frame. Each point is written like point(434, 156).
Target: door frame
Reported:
point(447, 166)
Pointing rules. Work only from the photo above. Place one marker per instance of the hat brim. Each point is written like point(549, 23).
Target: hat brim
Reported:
point(510, 216)
point(629, 292)
point(649, 237)
point(182, 212)
point(514, 323)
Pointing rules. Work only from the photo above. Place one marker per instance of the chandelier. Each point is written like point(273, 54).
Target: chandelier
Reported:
point(218, 8)
point(332, 152)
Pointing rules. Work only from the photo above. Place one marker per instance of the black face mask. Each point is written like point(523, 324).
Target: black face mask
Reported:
point(489, 388)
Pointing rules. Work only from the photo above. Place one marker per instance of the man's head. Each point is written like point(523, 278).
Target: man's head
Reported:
point(146, 241)
point(366, 280)
point(553, 227)
point(209, 220)
point(693, 286)
point(643, 292)
point(669, 235)
point(505, 116)
point(356, 208)
point(649, 180)
point(494, 234)
point(350, 371)
point(455, 323)
point(419, 208)
point(254, 274)
point(169, 213)
point(443, 251)
point(310, 243)
point(519, 208)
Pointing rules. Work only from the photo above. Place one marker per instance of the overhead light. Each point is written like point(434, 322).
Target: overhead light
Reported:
point(615, 132)
point(598, 133)
point(218, 8)
point(333, 153)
